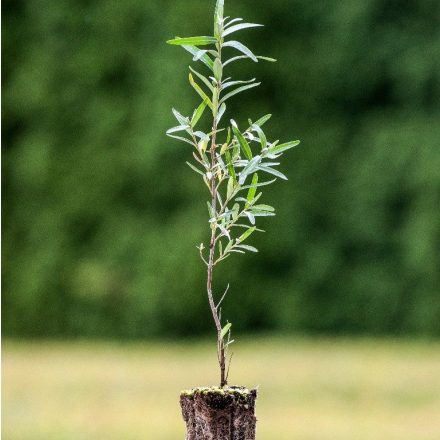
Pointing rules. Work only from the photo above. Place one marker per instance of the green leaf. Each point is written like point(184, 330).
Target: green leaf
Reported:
point(198, 113)
point(273, 172)
point(242, 57)
point(193, 41)
point(230, 188)
point(238, 27)
point(259, 184)
point(242, 48)
point(203, 78)
point(225, 330)
point(199, 55)
point(228, 246)
point(263, 207)
point(253, 188)
point(234, 20)
point(246, 247)
point(235, 211)
point(246, 234)
point(219, 10)
point(251, 217)
point(218, 18)
point(271, 60)
point(180, 118)
point(238, 90)
point(230, 165)
point(241, 140)
point(204, 58)
point(283, 147)
point(195, 169)
point(178, 128)
point(263, 120)
point(218, 69)
point(220, 113)
point(180, 138)
point(261, 135)
point(233, 83)
point(210, 210)
point(201, 93)
point(249, 168)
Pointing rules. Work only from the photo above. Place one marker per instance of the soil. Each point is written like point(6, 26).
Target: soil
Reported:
point(219, 413)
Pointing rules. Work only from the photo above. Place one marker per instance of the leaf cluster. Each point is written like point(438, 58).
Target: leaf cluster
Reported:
point(235, 168)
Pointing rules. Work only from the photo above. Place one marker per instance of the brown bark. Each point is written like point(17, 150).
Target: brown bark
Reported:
point(219, 414)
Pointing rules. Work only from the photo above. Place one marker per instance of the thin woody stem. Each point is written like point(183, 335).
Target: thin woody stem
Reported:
point(211, 260)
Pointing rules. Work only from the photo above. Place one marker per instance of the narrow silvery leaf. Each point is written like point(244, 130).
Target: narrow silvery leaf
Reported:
point(231, 60)
point(246, 247)
point(178, 128)
point(201, 135)
point(203, 78)
point(259, 184)
point(242, 57)
point(201, 93)
point(234, 20)
point(204, 58)
point(199, 55)
point(251, 217)
point(180, 138)
point(261, 135)
point(263, 207)
point(180, 118)
point(238, 90)
point(249, 168)
point(194, 41)
point(263, 213)
point(274, 172)
point(195, 169)
point(220, 113)
point(238, 27)
point(283, 147)
point(225, 85)
point(242, 48)
point(242, 141)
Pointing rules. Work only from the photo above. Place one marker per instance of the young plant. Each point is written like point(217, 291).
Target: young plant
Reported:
point(233, 163)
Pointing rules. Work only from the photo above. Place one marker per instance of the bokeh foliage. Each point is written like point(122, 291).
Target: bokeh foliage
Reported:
point(101, 215)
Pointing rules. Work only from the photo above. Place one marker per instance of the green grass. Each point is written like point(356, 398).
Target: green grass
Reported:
point(309, 389)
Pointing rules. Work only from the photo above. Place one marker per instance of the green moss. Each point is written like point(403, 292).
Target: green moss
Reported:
point(233, 390)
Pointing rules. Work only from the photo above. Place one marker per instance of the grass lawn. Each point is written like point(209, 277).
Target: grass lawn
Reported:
point(309, 389)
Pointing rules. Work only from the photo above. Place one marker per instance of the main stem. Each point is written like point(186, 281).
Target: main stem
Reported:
point(213, 190)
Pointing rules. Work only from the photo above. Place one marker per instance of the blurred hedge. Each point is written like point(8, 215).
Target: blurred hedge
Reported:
point(101, 216)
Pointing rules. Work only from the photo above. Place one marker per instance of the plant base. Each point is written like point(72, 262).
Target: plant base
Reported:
point(219, 414)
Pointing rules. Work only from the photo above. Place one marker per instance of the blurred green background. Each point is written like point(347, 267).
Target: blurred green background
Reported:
point(101, 215)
